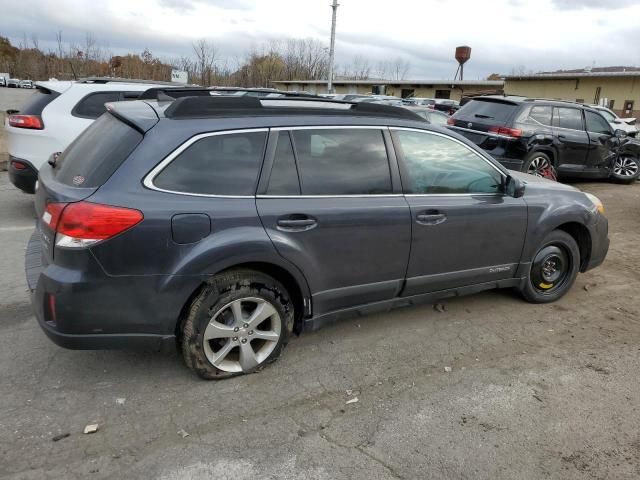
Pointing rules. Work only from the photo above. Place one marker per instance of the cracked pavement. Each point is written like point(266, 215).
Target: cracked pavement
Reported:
point(534, 391)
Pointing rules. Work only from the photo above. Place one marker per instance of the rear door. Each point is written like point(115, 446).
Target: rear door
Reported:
point(331, 203)
point(571, 139)
point(465, 231)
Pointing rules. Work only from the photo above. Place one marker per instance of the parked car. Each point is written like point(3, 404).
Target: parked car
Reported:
point(13, 83)
point(430, 115)
point(548, 138)
point(420, 101)
point(628, 125)
point(445, 105)
point(3, 81)
point(53, 117)
point(231, 222)
point(26, 84)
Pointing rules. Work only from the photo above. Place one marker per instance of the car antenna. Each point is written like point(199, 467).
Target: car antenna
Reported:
point(73, 71)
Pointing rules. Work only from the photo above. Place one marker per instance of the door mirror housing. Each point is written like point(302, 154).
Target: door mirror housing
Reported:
point(514, 187)
point(620, 133)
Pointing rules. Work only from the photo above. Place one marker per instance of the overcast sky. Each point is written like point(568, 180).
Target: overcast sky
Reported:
point(504, 34)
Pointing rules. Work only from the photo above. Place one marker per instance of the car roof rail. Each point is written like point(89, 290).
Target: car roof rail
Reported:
point(533, 99)
point(159, 93)
point(103, 80)
point(214, 106)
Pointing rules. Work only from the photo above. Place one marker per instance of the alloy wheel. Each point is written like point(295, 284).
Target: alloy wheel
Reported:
point(541, 167)
point(625, 167)
point(242, 334)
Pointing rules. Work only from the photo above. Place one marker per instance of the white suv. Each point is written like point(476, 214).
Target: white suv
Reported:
point(54, 116)
point(618, 123)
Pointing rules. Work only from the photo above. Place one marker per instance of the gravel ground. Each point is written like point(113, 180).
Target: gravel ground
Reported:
point(490, 388)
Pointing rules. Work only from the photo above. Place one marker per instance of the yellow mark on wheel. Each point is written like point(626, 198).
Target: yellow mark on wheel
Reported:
point(546, 286)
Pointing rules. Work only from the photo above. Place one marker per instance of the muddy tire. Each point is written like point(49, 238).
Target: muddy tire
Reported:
point(553, 270)
point(238, 323)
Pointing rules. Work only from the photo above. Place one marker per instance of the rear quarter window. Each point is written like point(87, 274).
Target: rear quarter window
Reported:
point(226, 164)
point(97, 153)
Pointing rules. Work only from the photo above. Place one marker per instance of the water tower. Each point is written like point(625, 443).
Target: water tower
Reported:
point(463, 54)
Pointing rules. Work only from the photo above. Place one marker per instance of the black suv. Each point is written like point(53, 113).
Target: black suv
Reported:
point(229, 223)
point(548, 138)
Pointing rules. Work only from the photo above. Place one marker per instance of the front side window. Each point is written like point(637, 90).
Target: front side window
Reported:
point(226, 164)
point(596, 123)
point(435, 165)
point(570, 118)
point(344, 161)
point(608, 115)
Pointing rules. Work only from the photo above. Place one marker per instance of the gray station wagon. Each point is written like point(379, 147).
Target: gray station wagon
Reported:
point(229, 223)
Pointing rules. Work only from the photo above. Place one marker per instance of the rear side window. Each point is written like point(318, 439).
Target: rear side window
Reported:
point(283, 179)
point(92, 106)
point(345, 161)
point(226, 164)
point(489, 110)
point(570, 118)
point(37, 101)
point(98, 152)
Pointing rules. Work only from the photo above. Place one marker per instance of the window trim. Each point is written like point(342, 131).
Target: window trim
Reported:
point(402, 166)
point(149, 178)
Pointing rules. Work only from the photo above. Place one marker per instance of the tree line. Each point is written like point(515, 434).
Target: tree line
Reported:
point(290, 59)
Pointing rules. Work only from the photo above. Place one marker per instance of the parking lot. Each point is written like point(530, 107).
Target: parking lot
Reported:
point(481, 387)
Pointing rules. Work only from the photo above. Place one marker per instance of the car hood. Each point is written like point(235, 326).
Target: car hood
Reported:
point(539, 183)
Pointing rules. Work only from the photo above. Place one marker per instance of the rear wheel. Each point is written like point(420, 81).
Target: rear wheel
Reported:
point(540, 165)
point(240, 322)
point(554, 268)
point(626, 169)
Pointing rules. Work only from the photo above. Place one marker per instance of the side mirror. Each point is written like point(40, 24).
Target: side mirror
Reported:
point(514, 187)
point(620, 133)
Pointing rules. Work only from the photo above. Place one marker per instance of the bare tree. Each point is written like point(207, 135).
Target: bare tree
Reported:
point(400, 68)
point(206, 57)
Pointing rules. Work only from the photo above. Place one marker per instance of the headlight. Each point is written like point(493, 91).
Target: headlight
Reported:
point(596, 203)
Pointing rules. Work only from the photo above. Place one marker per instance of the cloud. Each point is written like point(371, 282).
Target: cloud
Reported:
point(595, 4)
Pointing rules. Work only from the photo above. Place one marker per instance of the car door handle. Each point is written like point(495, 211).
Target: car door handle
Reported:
point(431, 218)
point(296, 223)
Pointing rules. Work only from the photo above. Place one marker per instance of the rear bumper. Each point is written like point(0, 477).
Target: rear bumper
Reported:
point(85, 307)
point(25, 179)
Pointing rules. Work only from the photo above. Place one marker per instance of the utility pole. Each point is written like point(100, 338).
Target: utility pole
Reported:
point(332, 47)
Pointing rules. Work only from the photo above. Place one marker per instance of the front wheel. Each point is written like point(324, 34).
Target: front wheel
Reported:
point(239, 322)
point(553, 270)
point(626, 169)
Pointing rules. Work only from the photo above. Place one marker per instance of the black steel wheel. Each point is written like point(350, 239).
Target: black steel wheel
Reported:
point(554, 268)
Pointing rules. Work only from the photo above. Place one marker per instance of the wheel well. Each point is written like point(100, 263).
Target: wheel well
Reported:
point(547, 151)
point(582, 237)
point(279, 273)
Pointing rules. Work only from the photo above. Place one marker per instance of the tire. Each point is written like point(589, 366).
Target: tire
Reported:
point(540, 165)
point(233, 346)
point(626, 169)
point(541, 285)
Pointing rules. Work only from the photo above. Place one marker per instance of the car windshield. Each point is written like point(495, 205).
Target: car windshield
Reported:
point(607, 114)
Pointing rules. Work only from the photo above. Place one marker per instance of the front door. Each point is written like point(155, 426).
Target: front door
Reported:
point(465, 230)
point(333, 210)
point(602, 143)
point(571, 139)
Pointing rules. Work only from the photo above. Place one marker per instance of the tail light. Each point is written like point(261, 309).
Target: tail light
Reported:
point(451, 121)
point(507, 132)
point(18, 165)
point(82, 224)
point(33, 122)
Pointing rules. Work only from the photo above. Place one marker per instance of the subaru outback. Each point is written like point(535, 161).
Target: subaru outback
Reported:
point(226, 224)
